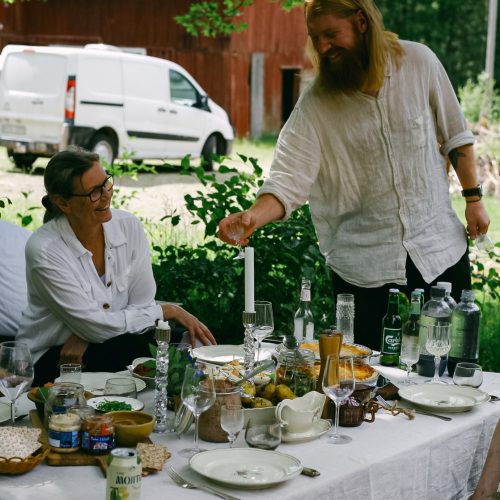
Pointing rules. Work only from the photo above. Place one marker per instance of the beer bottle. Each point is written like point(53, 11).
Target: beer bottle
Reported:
point(391, 331)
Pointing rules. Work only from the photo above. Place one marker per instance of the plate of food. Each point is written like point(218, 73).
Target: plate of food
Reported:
point(106, 404)
point(444, 397)
point(356, 351)
point(94, 382)
point(144, 369)
point(246, 468)
point(225, 353)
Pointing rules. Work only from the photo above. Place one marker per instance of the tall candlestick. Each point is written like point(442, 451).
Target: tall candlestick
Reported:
point(249, 280)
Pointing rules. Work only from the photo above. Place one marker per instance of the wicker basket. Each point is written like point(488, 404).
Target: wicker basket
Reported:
point(17, 465)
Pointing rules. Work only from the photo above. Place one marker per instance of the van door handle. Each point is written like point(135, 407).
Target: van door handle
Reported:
point(161, 110)
point(173, 112)
point(37, 101)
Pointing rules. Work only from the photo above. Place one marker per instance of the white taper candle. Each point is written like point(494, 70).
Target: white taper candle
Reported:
point(249, 280)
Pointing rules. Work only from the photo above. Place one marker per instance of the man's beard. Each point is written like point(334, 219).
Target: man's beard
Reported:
point(347, 72)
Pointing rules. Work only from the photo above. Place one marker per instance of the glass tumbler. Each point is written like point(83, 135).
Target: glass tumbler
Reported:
point(345, 316)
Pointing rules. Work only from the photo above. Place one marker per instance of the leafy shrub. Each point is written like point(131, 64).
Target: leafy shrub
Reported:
point(473, 96)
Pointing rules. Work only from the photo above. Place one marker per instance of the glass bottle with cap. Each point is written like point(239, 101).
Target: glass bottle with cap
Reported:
point(447, 296)
point(162, 337)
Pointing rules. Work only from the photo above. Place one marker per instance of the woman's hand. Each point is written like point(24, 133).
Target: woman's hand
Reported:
point(193, 325)
point(73, 350)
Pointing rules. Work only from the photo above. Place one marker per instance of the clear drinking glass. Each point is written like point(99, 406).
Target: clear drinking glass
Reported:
point(70, 372)
point(198, 394)
point(264, 323)
point(263, 435)
point(468, 374)
point(235, 232)
point(231, 420)
point(410, 351)
point(121, 386)
point(438, 344)
point(338, 385)
point(16, 371)
point(345, 316)
point(483, 243)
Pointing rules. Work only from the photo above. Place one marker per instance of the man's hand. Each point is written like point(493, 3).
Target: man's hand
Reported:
point(193, 325)
point(477, 219)
point(73, 350)
point(246, 220)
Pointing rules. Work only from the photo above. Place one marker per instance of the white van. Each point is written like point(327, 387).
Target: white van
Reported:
point(105, 100)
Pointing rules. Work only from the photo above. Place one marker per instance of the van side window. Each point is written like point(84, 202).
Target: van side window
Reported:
point(181, 90)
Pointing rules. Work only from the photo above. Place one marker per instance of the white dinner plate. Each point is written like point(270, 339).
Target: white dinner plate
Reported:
point(317, 429)
point(5, 410)
point(134, 403)
point(444, 397)
point(247, 468)
point(225, 353)
point(94, 382)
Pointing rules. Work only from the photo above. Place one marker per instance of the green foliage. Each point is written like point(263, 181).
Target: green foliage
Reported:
point(487, 279)
point(473, 96)
point(489, 349)
point(4, 201)
point(208, 280)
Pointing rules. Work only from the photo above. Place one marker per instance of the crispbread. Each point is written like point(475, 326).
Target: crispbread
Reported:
point(18, 442)
point(153, 456)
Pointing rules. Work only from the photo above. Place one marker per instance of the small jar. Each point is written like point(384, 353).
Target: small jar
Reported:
point(64, 432)
point(62, 396)
point(296, 370)
point(98, 434)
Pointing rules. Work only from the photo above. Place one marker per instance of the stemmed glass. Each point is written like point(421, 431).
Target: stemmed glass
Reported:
point(468, 374)
point(16, 371)
point(231, 420)
point(198, 394)
point(235, 232)
point(264, 322)
point(410, 351)
point(438, 344)
point(338, 385)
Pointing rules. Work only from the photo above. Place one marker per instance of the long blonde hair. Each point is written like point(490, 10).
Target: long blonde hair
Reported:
point(380, 43)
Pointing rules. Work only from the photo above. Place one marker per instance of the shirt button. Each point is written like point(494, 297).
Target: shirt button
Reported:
point(105, 306)
point(108, 284)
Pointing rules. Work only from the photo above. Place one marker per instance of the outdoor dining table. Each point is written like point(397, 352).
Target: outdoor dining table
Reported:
point(391, 458)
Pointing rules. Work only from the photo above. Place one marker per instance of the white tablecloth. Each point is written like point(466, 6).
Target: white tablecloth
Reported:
point(392, 458)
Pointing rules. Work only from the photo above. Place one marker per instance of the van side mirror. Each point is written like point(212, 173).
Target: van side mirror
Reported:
point(202, 102)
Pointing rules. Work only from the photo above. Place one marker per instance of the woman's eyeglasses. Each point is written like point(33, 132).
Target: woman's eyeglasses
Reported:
point(96, 193)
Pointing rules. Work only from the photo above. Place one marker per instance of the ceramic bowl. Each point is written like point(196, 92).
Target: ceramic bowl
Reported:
point(150, 381)
point(131, 427)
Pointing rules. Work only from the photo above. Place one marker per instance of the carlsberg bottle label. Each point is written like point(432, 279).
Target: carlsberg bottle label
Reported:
point(391, 341)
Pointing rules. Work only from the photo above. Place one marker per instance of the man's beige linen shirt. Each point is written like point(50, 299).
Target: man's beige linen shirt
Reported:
point(373, 170)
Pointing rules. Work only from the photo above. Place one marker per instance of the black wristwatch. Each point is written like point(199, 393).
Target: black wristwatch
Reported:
point(476, 191)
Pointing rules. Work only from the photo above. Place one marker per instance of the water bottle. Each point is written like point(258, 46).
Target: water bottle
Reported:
point(447, 298)
point(435, 310)
point(465, 327)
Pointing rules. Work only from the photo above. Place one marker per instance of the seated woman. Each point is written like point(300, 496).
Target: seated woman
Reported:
point(90, 283)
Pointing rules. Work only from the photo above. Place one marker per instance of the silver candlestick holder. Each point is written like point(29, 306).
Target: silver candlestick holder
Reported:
point(249, 319)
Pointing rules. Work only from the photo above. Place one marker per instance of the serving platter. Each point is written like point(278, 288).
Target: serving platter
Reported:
point(225, 353)
point(94, 382)
point(444, 397)
point(246, 468)
point(134, 403)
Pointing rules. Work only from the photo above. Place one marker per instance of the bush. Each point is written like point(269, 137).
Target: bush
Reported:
point(473, 96)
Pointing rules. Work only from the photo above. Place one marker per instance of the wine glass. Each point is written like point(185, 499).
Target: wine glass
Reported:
point(468, 374)
point(410, 351)
point(438, 343)
point(338, 385)
point(198, 395)
point(231, 420)
point(263, 435)
point(264, 322)
point(16, 371)
point(235, 231)
point(121, 386)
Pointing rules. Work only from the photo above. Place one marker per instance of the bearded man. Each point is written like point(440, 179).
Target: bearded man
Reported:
point(367, 145)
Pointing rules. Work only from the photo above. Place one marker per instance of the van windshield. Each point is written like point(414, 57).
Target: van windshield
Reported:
point(32, 72)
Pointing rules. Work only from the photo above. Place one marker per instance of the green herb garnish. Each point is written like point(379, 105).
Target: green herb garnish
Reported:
point(106, 406)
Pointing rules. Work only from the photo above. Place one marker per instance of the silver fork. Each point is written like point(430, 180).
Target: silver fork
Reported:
point(381, 400)
point(183, 483)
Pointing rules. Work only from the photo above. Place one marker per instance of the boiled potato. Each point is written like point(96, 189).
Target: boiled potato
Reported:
point(284, 392)
point(268, 391)
point(261, 403)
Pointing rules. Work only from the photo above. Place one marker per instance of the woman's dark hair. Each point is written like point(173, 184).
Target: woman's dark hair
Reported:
point(63, 168)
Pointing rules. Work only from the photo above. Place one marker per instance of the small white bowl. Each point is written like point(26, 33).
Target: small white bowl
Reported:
point(149, 381)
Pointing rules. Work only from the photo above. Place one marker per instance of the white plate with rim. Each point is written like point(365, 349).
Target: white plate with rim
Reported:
point(5, 410)
point(94, 382)
point(444, 397)
point(134, 403)
point(317, 429)
point(225, 353)
point(246, 468)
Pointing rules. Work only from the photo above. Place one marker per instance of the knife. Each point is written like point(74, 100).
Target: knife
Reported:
point(430, 414)
point(263, 366)
point(309, 471)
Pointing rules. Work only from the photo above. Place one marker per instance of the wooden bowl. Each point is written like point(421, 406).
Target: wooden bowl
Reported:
point(131, 427)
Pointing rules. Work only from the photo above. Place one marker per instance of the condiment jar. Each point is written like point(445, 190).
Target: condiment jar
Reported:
point(64, 432)
point(98, 434)
point(295, 369)
point(62, 396)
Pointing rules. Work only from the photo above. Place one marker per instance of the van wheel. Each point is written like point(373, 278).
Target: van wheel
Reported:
point(24, 161)
point(104, 146)
point(209, 148)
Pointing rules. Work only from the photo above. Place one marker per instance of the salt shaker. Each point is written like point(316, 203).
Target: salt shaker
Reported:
point(162, 337)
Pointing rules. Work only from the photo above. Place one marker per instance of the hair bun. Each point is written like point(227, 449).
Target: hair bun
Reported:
point(46, 202)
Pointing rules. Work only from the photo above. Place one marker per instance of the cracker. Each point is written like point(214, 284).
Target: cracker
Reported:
point(153, 456)
point(18, 441)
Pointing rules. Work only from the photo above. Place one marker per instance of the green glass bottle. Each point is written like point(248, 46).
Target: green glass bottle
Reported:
point(391, 331)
